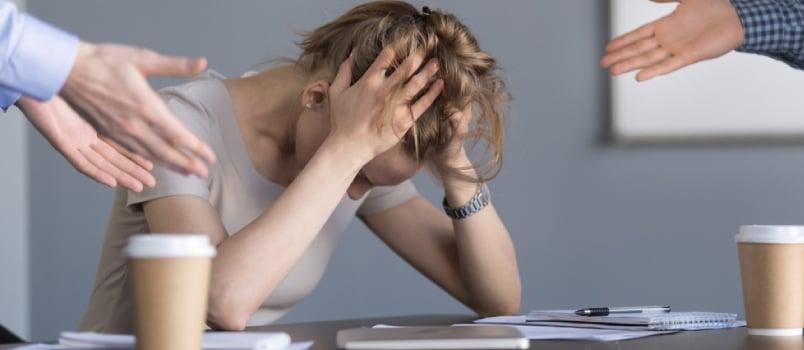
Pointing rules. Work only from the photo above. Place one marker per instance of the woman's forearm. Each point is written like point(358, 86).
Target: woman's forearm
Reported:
point(486, 254)
point(488, 263)
point(251, 263)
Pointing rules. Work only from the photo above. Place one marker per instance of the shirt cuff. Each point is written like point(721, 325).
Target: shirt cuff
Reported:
point(768, 26)
point(42, 60)
point(8, 98)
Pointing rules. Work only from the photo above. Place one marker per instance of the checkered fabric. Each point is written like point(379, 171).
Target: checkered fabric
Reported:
point(773, 28)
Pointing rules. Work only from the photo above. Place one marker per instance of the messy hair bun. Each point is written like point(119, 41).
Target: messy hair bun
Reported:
point(470, 74)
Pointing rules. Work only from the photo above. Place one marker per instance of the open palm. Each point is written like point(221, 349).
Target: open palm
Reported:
point(697, 30)
point(100, 159)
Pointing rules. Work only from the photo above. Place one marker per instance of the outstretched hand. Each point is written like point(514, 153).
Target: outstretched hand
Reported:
point(98, 158)
point(696, 30)
point(108, 87)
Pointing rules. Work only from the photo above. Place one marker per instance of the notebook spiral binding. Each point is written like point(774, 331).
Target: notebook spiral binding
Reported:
point(692, 320)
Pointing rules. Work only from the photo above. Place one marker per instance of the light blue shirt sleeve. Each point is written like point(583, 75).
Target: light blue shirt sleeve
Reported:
point(8, 97)
point(35, 57)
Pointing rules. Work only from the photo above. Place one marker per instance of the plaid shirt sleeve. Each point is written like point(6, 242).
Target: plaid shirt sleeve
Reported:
point(774, 28)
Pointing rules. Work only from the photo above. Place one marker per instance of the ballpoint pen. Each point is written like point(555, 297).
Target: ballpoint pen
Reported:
point(605, 311)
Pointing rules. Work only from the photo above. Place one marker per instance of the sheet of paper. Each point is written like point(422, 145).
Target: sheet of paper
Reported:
point(293, 346)
point(566, 333)
point(304, 345)
point(382, 325)
point(212, 340)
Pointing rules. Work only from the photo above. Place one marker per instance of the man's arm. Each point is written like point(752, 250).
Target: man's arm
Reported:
point(698, 30)
point(773, 28)
point(96, 157)
point(105, 84)
point(28, 66)
point(8, 97)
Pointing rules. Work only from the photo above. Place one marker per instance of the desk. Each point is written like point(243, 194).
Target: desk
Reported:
point(323, 333)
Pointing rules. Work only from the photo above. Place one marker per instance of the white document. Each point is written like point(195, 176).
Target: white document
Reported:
point(567, 333)
point(293, 346)
point(212, 340)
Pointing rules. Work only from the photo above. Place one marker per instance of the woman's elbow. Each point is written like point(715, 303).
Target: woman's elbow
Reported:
point(504, 308)
point(226, 313)
point(226, 321)
point(509, 308)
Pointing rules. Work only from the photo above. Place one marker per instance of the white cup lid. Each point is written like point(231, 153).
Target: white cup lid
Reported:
point(168, 246)
point(779, 234)
point(776, 332)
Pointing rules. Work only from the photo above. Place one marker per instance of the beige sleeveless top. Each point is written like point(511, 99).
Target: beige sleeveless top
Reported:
point(236, 191)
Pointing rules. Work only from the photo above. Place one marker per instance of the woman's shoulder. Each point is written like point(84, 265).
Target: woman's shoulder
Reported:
point(199, 102)
point(208, 81)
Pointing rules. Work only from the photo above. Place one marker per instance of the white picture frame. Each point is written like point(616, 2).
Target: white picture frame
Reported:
point(736, 97)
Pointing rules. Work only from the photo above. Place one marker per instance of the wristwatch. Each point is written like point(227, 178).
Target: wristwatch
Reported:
point(479, 201)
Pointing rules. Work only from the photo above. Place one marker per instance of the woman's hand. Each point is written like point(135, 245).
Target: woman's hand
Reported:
point(454, 159)
point(454, 154)
point(372, 115)
point(697, 30)
point(98, 158)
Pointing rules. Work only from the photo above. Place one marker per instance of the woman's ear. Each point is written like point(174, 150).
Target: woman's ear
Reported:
point(315, 95)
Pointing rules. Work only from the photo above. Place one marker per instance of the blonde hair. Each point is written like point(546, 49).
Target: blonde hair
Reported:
point(470, 74)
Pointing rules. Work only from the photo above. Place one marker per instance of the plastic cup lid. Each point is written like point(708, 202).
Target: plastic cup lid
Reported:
point(779, 234)
point(168, 246)
point(776, 332)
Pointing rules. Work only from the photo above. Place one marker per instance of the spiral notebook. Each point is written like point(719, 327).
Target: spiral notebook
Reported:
point(647, 321)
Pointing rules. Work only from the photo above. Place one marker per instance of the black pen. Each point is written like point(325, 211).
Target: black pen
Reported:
point(605, 311)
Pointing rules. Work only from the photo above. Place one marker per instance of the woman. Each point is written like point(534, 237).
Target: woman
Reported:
point(293, 139)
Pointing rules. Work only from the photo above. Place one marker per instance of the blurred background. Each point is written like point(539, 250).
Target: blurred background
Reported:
point(594, 222)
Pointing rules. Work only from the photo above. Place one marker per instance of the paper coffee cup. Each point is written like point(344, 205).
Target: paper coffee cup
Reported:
point(772, 272)
point(170, 277)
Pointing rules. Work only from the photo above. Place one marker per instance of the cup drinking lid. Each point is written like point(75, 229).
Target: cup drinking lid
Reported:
point(770, 234)
point(168, 246)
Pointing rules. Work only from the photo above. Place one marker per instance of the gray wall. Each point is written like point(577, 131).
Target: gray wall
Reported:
point(594, 223)
point(14, 296)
